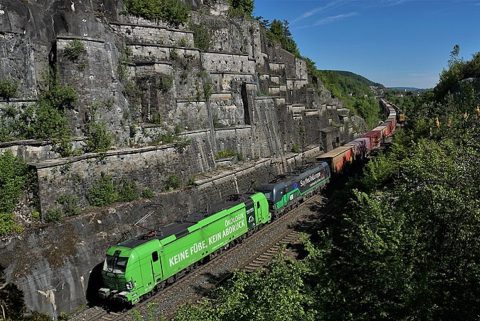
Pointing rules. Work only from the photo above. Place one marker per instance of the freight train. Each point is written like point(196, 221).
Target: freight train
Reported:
point(136, 268)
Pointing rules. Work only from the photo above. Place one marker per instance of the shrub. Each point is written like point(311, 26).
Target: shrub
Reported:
point(128, 191)
point(173, 182)
point(50, 123)
point(8, 225)
point(53, 215)
point(98, 138)
point(8, 88)
point(103, 192)
point(201, 37)
point(74, 49)
point(69, 204)
point(13, 180)
point(147, 193)
point(295, 148)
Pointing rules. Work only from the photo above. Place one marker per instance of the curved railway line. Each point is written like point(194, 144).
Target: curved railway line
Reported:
point(258, 249)
point(253, 253)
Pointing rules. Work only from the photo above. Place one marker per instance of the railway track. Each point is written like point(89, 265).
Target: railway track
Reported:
point(255, 252)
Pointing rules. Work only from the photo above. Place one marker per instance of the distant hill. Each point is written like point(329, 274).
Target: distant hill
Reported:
point(355, 77)
point(412, 89)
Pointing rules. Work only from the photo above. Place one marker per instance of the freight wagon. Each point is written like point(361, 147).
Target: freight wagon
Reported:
point(338, 158)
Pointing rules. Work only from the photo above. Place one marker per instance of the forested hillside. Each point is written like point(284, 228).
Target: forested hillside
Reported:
point(354, 91)
point(407, 245)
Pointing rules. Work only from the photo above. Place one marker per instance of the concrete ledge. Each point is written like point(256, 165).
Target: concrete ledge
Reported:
point(80, 38)
point(117, 23)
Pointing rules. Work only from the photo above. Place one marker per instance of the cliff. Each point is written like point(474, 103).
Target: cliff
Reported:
point(174, 99)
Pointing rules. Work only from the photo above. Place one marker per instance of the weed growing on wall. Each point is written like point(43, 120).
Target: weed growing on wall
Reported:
point(74, 50)
point(227, 153)
point(8, 88)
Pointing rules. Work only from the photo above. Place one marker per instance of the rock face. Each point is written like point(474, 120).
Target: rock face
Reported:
point(147, 80)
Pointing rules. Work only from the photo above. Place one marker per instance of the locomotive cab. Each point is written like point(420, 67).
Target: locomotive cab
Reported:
point(130, 271)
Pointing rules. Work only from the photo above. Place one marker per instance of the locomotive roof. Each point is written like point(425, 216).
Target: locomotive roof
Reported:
point(282, 180)
point(180, 228)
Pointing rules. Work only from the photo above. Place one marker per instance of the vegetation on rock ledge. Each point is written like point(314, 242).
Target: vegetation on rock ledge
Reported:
point(172, 11)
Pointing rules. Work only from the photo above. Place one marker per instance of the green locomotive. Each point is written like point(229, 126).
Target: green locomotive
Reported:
point(287, 192)
point(137, 267)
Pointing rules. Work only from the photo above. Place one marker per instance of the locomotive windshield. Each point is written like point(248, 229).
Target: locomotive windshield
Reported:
point(115, 264)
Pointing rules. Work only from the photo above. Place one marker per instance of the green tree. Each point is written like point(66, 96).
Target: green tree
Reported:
point(241, 7)
point(279, 31)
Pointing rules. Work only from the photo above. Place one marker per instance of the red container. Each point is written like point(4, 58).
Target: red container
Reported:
point(375, 137)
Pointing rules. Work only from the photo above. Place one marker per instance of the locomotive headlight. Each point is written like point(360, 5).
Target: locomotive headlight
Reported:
point(129, 285)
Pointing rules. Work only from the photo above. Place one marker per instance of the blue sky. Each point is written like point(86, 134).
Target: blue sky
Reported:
point(393, 42)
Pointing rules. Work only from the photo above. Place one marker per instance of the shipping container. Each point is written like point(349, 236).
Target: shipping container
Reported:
point(338, 158)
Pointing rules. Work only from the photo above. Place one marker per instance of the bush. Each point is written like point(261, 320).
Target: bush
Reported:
point(173, 182)
point(69, 204)
point(147, 193)
point(128, 191)
point(295, 148)
point(8, 225)
point(74, 49)
point(13, 180)
point(8, 88)
point(103, 192)
point(50, 123)
point(53, 215)
point(98, 138)
point(60, 97)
